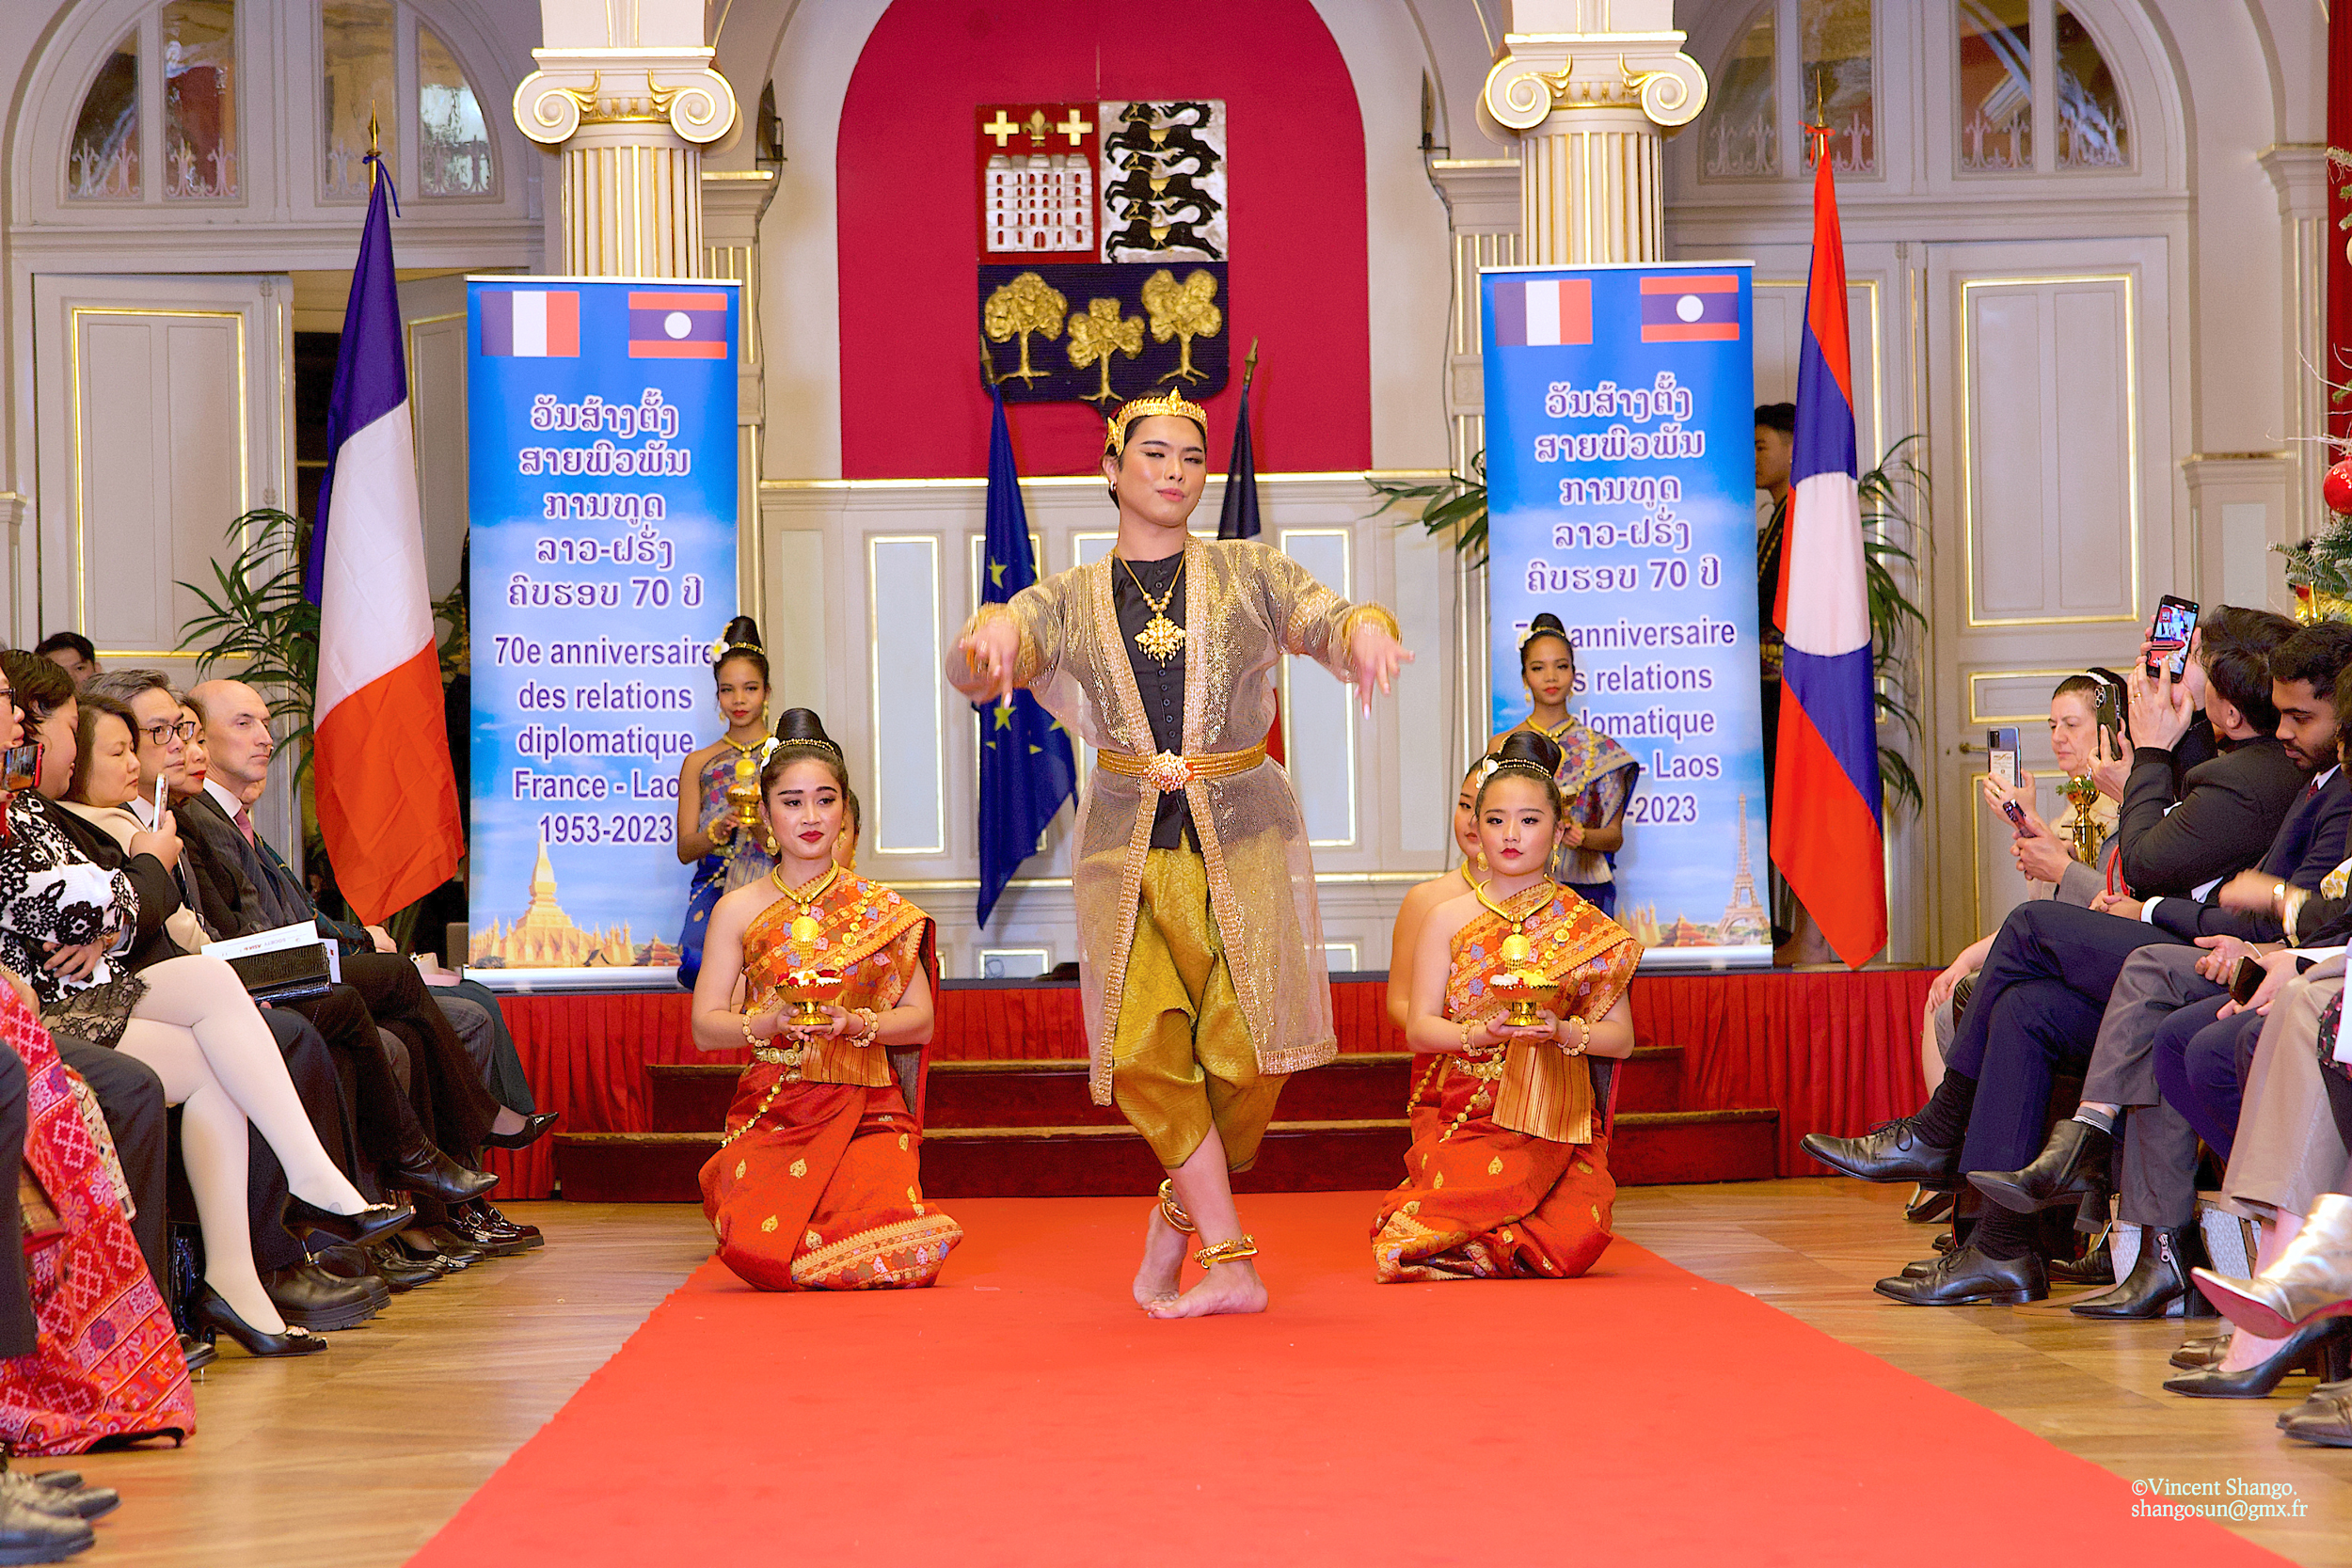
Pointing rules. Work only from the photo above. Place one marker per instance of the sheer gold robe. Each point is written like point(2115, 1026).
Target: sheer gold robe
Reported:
point(1245, 605)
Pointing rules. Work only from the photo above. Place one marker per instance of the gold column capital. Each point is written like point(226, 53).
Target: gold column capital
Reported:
point(673, 88)
point(1541, 75)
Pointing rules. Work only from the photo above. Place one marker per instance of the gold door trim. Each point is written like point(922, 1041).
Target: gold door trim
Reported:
point(73, 397)
point(1975, 714)
point(2131, 443)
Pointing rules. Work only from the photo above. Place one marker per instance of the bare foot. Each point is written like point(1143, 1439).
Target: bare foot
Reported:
point(2247, 1350)
point(1162, 1265)
point(1230, 1288)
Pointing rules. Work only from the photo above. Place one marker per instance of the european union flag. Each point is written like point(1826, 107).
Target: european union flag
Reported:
point(1027, 768)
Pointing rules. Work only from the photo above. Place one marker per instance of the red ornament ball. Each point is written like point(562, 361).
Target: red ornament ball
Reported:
point(2337, 487)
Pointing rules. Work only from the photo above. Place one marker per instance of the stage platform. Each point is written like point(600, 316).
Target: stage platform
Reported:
point(1731, 1071)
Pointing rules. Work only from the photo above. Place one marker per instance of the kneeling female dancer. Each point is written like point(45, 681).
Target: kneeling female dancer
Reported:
point(817, 1187)
point(1509, 1175)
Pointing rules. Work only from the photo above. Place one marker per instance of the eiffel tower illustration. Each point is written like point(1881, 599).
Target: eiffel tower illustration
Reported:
point(1745, 915)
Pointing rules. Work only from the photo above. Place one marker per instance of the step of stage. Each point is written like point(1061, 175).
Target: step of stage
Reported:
point(692, 1097)
point(1094, 1159)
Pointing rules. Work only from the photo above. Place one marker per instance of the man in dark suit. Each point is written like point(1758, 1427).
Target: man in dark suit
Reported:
point(452, 1104)
point(2044, 987)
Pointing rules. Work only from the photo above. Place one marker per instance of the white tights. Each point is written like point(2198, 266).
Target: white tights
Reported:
point(200, 1032)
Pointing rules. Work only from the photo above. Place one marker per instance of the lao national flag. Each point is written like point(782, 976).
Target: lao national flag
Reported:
point(531, 324)
point(1027, 768)
point(678, 323)
point(1693, 307)
point(387, 797)
point(1543, 312)
point(1828, 838)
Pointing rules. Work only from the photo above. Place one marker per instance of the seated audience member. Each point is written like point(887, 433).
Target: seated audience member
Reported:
point(2037, 1002)
point(87, 1350)
point(1508, 1173)
point(464, 1117)
point(2166, 994)
point(1414, 912)
point(71, 926)
point(72, 652)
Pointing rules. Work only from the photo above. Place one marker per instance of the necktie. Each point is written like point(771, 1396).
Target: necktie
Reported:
point(244, 823)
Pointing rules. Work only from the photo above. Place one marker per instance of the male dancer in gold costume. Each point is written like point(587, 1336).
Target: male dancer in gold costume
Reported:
point(1200, 948)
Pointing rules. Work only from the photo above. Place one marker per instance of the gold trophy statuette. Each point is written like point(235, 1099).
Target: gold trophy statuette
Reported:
point(2084, 831)
point(743, 797)
point(1527, 987)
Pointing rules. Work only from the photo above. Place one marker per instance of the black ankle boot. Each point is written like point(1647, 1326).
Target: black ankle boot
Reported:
point(2070, 1165)
point(2159, 1277)
point(423, 1168)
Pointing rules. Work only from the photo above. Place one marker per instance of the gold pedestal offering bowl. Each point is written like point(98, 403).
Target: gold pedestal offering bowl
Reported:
point(807, 991)
point(1528, 989)
point(743, 792)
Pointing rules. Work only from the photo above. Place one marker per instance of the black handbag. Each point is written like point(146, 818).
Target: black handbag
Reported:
point(285, 974)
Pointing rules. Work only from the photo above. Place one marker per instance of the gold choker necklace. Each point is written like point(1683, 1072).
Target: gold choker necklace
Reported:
point(805, 929)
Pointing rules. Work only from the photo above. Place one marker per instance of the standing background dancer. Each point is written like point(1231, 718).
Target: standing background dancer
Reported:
point(1200, 948)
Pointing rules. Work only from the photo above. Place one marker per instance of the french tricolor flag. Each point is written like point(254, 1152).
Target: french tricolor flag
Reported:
point(531, 324)
point(1828, 836)
point(386, 794)
point(1543, 312)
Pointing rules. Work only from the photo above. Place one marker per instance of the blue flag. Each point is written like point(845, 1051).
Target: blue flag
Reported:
point(1027, 768)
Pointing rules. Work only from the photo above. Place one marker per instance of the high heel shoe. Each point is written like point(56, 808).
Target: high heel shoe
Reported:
point(372, 1224)
point(2323, 1339)
point(2311, 1279)
point(213, 1316)
point(533, 1129)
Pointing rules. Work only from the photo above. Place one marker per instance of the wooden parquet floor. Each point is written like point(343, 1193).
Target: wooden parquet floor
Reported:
point(353, 1458)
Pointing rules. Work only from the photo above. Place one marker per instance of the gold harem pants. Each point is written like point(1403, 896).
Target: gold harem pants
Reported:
point(1181, 1060)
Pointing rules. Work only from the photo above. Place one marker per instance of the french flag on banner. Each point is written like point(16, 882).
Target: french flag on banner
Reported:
point(386, 794)
point(531, 324)
point(1828, 837)
point(1543, 312)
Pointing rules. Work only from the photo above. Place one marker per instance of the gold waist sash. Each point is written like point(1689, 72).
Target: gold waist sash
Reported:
point(1168, 772)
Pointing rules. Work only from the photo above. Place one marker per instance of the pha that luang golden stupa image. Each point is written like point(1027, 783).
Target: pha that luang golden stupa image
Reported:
point(545, 937)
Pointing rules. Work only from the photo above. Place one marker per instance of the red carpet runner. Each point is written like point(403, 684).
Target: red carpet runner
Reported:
point(1024, 1412)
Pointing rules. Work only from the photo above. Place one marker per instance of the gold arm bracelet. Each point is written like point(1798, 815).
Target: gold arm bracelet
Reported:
point(1227, 1252)
point(1025, 651)
point(1372, 612)
point(750, 1039)
point(1583, 1035)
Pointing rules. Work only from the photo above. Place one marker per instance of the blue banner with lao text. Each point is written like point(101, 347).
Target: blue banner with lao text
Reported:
point(1620, 477)
point(601, 453)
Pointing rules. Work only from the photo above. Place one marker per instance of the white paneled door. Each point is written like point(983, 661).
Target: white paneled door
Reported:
point(2051, 393)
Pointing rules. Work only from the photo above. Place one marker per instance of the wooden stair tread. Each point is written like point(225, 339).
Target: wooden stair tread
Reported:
point(1076, 1066)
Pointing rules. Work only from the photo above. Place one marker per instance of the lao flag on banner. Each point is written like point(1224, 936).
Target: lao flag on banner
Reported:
point(1693, 307)
point(1828, 837)
point(386, 796)
point(1027, 768)
point(1543, 312)
point(532, 324)
point(677, 325)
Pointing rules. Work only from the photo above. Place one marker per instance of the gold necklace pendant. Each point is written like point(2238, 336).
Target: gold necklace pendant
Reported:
point(805, 927)
point(1161, 638)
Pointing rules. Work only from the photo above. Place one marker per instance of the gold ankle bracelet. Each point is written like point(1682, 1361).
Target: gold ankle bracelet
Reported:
point(1227, 1252)
point(1173, 1212)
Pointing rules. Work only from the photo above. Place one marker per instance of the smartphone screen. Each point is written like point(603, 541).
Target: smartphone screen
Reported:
point(20, 766)
point(2111, 718)
point(2246, 981)
point(2169, 633)
point(163, 798)
point(2002, 743)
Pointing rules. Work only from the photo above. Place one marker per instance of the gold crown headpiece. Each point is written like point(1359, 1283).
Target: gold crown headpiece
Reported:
point(818, 741)
point(1144, 408)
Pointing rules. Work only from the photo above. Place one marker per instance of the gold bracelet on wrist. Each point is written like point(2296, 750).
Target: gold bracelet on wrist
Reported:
point(1583, 1038)
point(1373, 613)
point(750, 1039)
point(1468, 1025)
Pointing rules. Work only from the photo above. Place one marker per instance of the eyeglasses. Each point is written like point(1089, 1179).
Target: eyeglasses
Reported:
point(161, 734)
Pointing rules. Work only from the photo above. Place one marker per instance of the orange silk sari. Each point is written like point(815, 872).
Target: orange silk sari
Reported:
point(1509, 1175)
point(817, 1187)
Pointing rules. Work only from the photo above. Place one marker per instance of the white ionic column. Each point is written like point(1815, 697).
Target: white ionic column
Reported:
point(626, 93)
point(734, 200)
point(1584, 90)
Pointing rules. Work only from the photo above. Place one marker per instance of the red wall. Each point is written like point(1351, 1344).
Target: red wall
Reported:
point(911, 402)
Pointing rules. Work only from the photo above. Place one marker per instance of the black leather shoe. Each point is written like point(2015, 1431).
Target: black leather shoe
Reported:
point(27, 1535)
point(343, 1262)
point(1892, 1152)
point(480, 1217)
point(2203, 1347)
point(1921, 1268)
point(197, 1353)
point(426, 1169)
point(2073, 1160)
point(58, 1502)
point(310, 1297)
point(1928, 1208)
point(1967, 1277)
point(2095, 1267)
point(2159, 1277)
point(398, 1270)
point(2324, 1341)
point(213, 1316)
point(534, 1127)
point(374, 1223)
point(439, 1242)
